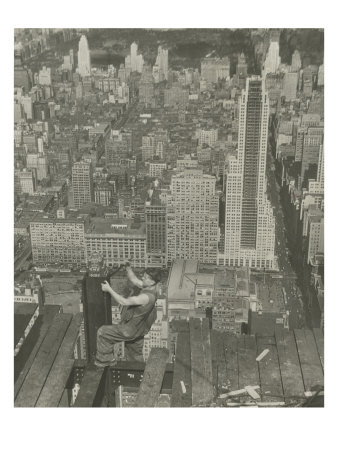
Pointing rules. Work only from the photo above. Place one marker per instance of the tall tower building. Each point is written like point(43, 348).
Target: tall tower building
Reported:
point(249, 220)
point(155, 217)
point(296, 63)
point(84, 57)
point(192, 217)
point(272, 60)
point(162, 63)
point(82, 179)
point(133, 56)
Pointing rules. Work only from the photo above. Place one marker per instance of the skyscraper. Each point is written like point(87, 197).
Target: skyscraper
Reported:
point(272, 60)
point(162, 63)
point(249, 220)
point(296, 63)
point(82, 178)
point(155, 216)
point(133, 56)
point(84, 57)
point(192, 218)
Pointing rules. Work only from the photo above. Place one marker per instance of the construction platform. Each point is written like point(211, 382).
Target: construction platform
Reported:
point(210, 369)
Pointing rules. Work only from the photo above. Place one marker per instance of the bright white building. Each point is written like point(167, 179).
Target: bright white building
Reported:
point(249, 220)
point(84, 57)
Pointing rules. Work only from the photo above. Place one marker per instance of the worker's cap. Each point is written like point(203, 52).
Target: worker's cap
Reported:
point(155, 274)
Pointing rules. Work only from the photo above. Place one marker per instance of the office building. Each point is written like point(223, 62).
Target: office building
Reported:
point(117, 241)
point(320, 81)
point(82, 181)
point(230, 307)
point(214, 69)
point(103, 193)
point(290, 86)
point(45, 78)
point(162, 63)
point(192, 227)
point(156, 229)
point(146, 87)
point(315, 233)
point(272, 60)
point(133, 56)
point(296, 63)
point(207, 136)
point(176, 96)
point(84, 65)
point(27, 181)
point(249, 220)
point(58, 239)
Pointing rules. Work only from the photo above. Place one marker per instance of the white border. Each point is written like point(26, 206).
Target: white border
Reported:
point(198, 428)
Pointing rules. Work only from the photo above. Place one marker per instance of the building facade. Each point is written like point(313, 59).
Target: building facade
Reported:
point(249, 220)
point(82, 180)
point(58, 240)
point(192, 219)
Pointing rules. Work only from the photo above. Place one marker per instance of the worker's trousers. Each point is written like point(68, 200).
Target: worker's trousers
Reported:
point(108, 335)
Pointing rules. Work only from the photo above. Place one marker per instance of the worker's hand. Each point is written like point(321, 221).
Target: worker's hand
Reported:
point(105, 286)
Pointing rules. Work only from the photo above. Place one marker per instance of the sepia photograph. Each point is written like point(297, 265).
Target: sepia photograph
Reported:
point(169, 217)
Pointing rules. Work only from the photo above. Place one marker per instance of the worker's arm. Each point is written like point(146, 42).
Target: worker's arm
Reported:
point(141, 299)
point(133, 278)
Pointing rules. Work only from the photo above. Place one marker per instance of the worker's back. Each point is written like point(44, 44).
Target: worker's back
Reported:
point(139, 318)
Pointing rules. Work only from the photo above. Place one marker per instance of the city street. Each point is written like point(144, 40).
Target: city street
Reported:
point(289, 281)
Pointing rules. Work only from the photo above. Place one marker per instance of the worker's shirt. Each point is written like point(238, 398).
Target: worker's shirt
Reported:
point(140, 318)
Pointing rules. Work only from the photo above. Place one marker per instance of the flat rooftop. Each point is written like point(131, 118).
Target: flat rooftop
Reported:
point(99, 225)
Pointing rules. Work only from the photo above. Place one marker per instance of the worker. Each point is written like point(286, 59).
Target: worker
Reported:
point(137, 316)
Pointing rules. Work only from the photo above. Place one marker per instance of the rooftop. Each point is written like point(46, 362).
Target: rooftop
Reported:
point(99, 225)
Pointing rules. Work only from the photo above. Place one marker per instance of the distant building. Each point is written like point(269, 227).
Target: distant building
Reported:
point(146, 87)
point(58, 240)
point(272, 60)
point(192, 228)
point(103, 193)
point(156, 169)
point(176, 96)
point(162, 63)
point(296, 63)
point(290, 86)
point(207, 136)
point(27, 181)
point(82, 181)
point(45, 78)
point(249, 220)
point(214, 69)
point(84, 64)
point(156, 229)
point(320, 81)
point(117, 241)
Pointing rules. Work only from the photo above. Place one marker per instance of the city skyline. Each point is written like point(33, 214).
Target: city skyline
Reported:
point(197, 153)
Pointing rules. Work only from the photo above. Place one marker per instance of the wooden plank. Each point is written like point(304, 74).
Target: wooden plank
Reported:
point(43, 321)
point(219, 365)
point(208, 378)
point(182, 372)
point(231, 362)
point(64, 401)
point(291, 373)
point(269, 372)
point(36, 377)
point(310, 364)
point(201, 370)
point(319, 338)
point(152, 378)
point(248, 374)
point(90, 386)
point(56, 381)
